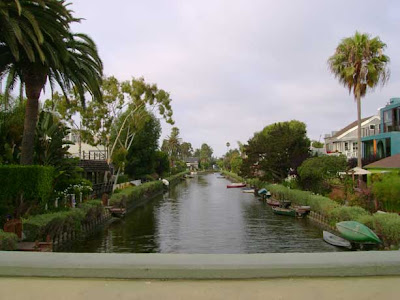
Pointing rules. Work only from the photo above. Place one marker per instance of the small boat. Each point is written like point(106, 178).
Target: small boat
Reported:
point(236, 185)
point(118, 212)
point(290, 211)
point(272, 202)
point(357, 232)
point(284, 211)
point(335, 240)
point(248, 190)
point(262, 192)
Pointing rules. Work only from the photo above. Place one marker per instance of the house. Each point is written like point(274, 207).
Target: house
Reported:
point(387, 164)
point(384, 141)
point(192, 163)
point(93, 161)
point(344, 141)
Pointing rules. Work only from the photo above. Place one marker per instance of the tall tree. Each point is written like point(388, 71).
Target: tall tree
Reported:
point(276, 150)
point(172, 145)
point(359, 64)
point(141, 158)
point(205, 155)
point(60, 56)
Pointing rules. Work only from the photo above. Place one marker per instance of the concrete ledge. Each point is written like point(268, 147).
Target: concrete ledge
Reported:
point(199, 266)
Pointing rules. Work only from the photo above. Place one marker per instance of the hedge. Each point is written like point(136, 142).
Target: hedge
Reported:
point(33, 183)
point(39, 226)
point(8, 241)
point(130, 195)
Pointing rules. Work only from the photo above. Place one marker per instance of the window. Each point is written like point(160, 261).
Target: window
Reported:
point(355, 146)
point(372, 126)
point(346, 146)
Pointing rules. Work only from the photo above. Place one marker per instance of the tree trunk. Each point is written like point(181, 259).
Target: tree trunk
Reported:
point(358, 99)
point(35, 79)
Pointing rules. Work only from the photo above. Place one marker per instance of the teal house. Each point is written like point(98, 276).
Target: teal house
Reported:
point(383, 140)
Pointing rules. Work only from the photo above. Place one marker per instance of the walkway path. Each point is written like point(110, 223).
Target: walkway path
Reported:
point(301, 288)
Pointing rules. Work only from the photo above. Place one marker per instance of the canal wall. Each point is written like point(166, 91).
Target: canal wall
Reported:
point(199, 266)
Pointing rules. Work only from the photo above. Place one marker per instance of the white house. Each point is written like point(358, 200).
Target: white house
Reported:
point(344, 141)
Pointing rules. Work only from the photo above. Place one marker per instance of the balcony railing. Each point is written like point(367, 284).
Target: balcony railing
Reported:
point(95, 155)
point(387, 127)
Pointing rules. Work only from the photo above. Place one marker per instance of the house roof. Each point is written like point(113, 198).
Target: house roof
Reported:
point(192, 160)
point(350, 126)
point(391, 162)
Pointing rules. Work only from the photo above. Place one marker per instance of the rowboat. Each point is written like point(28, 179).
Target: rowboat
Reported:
point(335, 240)
point(272, 202)
point(284, 211)
point(118, 212)
point(290, 211)
point(357, 232)
point(248, 190)
point(236, 185)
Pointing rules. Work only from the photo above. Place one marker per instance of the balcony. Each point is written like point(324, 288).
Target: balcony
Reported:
point(94, 155)
point(387, 127)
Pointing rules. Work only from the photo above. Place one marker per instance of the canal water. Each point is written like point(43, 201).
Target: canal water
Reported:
point(200, 215)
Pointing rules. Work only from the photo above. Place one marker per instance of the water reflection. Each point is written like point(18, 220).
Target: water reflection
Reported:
point(201, 215)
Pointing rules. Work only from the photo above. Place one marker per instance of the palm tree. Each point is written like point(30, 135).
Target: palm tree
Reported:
point(359, 64)
point(70, 60)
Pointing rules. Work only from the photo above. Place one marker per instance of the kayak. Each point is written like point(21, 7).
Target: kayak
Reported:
point(335, 240)
point(357, 232)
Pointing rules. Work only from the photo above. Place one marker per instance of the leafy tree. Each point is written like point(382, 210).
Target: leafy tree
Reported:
point(317, 144)
point(172, 146)
point(359, 64)
point(115, 121)
point(205, 156)
point(186, 150)
point(11, 128)
point(275, 151)
point(141, 158)
point(39, 47)
point(161, 165)
point(316, 173)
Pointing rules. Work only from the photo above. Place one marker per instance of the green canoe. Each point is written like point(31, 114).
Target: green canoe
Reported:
point(357, 232)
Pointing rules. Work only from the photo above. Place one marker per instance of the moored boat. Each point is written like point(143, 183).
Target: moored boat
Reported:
point(357, 232)
point(248, 190)
point(236, 185)
point(284, 211)
point(335, 240)
point(272, 202)
point(118, 212)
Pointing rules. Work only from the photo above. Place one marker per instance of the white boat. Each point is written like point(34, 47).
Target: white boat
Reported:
point(248, 191)
point(335, 240)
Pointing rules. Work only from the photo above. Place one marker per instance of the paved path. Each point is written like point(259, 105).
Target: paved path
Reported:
point(298, 288)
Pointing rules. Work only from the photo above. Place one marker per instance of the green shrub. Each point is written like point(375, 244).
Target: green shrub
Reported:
point(8, 241)
point(33, 184)
point(134, 193)
point(346, 213)
point(39, 226)
point(233, 176)
point(387, 191)
point(387, 226)
point(315, 173)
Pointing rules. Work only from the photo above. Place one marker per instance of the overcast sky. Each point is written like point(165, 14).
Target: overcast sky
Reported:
point(233, 67)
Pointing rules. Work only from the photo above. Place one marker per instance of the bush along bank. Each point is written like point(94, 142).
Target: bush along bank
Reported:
point(65, 226)
point(8, 241)
point(134, 196)
point(232, 176)
point(385, 225)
